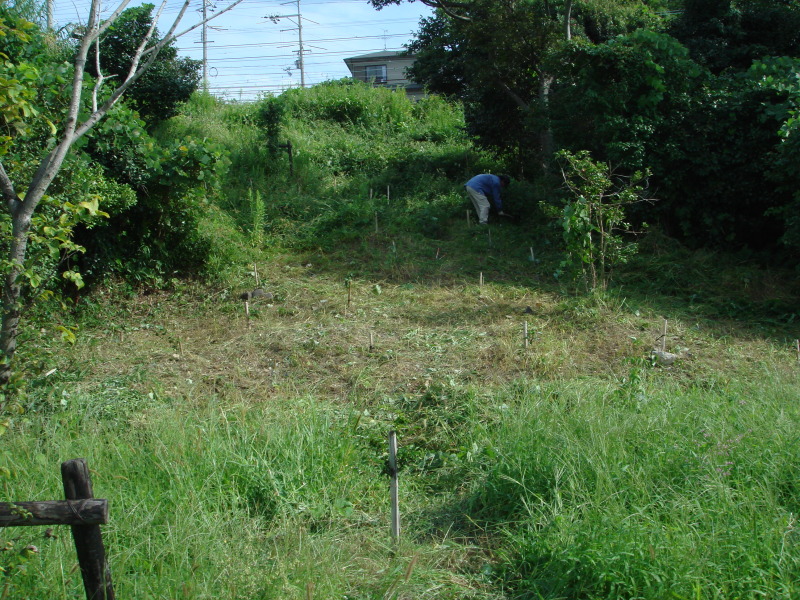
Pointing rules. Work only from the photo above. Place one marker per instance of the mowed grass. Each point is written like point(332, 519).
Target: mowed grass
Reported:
point(247, 459)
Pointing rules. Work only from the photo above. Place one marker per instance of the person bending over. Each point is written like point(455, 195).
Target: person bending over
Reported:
point(482, 187)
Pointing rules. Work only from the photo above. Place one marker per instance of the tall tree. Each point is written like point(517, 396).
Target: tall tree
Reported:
point(168, 82)
point(501, 58)
point(731, 34)
point(79, 115)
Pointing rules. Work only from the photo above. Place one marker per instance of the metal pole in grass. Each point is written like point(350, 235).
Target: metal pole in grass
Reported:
point(480, 280)
point(371, 341)
point(664, 337)
point(247, 312)
point(393, 487)
point(525, 329)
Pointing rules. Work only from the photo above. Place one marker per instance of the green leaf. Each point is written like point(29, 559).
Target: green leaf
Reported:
point(66, 335)
point(74, 277)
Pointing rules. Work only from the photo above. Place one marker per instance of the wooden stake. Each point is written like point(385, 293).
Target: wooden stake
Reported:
point(393, 487)
point(664, 337)
point(480, 281)
point(371, 341)
point(437, 253)
point(88, 540)
point(533, 259)
point(526, 334)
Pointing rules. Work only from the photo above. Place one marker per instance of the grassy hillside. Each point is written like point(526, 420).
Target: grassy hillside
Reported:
point(246, 458)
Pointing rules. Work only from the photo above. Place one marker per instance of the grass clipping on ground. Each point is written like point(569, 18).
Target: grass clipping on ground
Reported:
point(264, 431)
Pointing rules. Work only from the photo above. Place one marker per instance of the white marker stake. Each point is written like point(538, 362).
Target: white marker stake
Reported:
point(393, 486)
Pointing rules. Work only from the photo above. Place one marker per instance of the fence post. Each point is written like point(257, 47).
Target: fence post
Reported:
point(88, 540)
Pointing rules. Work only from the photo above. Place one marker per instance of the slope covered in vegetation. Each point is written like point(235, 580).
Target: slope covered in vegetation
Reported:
point(244, 454)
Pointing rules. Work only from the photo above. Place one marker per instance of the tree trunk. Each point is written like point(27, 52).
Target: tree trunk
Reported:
point(546, 144)
point(22, 211)
point(12, 296)
point(567, 18)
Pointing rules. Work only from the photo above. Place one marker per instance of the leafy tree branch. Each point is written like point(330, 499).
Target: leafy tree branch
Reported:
point(22, 208)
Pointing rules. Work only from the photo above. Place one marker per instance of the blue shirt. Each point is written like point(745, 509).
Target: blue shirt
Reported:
point(489, 186)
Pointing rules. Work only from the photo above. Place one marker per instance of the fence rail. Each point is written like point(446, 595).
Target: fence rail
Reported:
point(83, 513)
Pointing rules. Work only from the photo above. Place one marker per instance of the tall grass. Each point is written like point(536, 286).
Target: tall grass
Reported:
point(352, 144)
point(666, 493)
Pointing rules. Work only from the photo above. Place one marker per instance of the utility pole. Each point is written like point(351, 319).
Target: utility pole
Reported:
point(50, 15)
point(207, 4)
point(301, 51)
point(204, 37)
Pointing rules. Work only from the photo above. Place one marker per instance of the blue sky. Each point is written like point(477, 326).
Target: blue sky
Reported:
point(249, 55)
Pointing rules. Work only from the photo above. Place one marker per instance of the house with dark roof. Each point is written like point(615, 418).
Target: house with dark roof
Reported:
point(385, 69)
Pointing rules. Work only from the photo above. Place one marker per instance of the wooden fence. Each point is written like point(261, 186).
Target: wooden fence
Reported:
point(84, 513)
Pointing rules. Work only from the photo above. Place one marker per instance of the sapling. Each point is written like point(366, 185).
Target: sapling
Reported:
point(596, 233)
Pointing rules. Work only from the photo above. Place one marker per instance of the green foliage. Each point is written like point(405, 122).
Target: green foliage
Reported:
point(592, 215)
point(731, 34)
point(170, 81)
point(505, 60)
point(623, 99)
point(641, 85)
point(28, 82)
point(257, 217)
point(778, 79)
point(18, 564)
point(154, 226)
point(349, 102)
point(81, 196)
point(269, 113)
point(343, 166)
point(610, 502)
point(160, 235)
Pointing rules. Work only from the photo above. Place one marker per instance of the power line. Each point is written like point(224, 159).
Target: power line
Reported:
point(319, 41)
point(242, 47)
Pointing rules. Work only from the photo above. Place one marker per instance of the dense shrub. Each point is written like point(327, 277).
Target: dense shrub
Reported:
point(349, 102)
point(640, 101)
point(158, 236)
